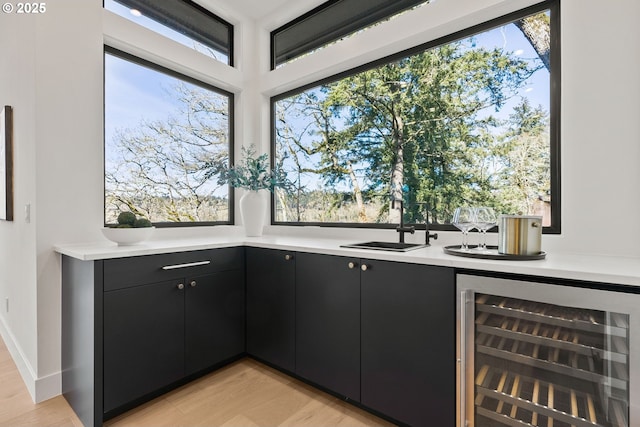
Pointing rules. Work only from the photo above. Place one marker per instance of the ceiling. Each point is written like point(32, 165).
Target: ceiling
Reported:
point(257, 9)
point(268, 12)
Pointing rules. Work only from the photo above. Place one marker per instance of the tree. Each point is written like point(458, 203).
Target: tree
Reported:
point(418, 126)
point(161, 168)
point(525, 158)
point(537, 30)
point(411, 114)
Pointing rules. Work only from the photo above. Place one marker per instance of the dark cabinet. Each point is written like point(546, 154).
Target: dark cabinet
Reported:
point(328, 322)
point(156, 333)
point(377, 332)
point(143, 341)
point(271, 306)
point(408, 342)
point(214, 319)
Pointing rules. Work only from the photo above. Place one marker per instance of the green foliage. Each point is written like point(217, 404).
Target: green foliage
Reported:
point(126, 218)
point(253, 173)
point(142, 223)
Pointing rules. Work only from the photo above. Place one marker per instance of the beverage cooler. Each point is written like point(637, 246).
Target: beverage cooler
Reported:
point(536, 354)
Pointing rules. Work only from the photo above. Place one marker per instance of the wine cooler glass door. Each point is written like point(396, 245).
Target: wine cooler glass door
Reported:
point(535, 354)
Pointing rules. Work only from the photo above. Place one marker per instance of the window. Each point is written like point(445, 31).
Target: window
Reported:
point(183, 21)
point(470, 119)
point(167, 136)
point(328, 23)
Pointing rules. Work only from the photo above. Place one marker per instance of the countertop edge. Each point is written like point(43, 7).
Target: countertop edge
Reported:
point(592, 268)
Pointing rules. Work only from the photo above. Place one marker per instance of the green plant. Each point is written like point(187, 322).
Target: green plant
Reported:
point(129, 220)
point(141, 223)
point(126, 218)
point(253, 173)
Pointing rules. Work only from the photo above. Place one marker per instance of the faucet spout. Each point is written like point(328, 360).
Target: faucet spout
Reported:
point(402, 229)
point(428, 234)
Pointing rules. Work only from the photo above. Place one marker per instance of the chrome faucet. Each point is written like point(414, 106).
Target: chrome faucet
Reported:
point(402, 228)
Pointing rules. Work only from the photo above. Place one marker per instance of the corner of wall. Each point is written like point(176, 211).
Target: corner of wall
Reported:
point(21, 361)
point(40, 389)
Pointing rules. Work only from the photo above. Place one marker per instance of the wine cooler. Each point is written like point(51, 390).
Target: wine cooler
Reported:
point(536, 354)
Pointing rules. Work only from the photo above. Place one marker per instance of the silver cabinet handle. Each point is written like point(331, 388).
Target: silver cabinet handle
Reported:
point(288, 257)
point(193, 283)
point(181, 286)
point(189, 264)
point(352, 265)
point(364, 267)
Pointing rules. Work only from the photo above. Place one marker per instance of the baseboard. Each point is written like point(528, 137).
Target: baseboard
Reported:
point(40, 389)
point(48, 387)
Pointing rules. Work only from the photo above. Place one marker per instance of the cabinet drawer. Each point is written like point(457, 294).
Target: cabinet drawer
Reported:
point(134, 271)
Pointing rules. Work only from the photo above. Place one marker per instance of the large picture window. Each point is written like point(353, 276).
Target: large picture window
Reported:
point(167, 137)
point(470, 119)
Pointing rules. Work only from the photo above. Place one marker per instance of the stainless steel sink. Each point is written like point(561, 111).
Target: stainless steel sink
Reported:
point(385, 246)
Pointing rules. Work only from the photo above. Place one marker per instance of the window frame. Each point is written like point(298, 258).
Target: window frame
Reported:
point(221, 24)
point(362, 15)
point(175, 74)
point(554, 110)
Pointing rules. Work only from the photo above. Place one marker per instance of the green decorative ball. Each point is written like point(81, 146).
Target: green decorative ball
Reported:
point(141, 223)
point(127, 218)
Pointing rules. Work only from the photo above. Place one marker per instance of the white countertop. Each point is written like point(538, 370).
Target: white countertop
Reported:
point(618, 270)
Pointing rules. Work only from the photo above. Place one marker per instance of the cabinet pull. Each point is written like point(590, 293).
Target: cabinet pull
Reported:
point(193, 283)
point(189, 264)
point(364, 267)
point(466, 357)
point(181, 286)
point(288, 257)
point(352, 265)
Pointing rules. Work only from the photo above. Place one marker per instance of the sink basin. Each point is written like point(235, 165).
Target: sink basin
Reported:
point(385, 246)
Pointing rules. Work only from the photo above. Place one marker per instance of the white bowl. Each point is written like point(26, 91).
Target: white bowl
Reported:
point(127, 236)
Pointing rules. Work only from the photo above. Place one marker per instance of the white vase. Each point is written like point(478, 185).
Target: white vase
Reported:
point(253, 207)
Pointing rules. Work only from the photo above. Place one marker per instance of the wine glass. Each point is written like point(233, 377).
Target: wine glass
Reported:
point(464, 219)
point(486, 219)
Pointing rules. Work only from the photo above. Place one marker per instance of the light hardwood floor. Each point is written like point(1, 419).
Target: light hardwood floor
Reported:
point(243, 394)
point(16, 407)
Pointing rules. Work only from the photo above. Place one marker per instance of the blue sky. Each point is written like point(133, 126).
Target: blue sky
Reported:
point(133, 94)
point(510, 38)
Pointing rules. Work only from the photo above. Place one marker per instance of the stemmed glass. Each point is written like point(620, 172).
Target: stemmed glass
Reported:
point(486, 219)
point(464, 219)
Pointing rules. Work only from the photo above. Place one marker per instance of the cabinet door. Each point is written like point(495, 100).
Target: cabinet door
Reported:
point(215, 325)
point(408, 342)
point(271, 306)
point(143, 340)
point(328, 322)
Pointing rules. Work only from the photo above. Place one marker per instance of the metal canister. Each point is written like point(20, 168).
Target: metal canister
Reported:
point(520, 234)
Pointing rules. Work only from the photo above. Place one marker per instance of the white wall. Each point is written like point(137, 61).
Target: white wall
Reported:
point(600, 127)
point(54, 82)
point(17, 238)
point(69, 200)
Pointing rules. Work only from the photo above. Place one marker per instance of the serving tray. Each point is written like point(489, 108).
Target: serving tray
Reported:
point(490, 253)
